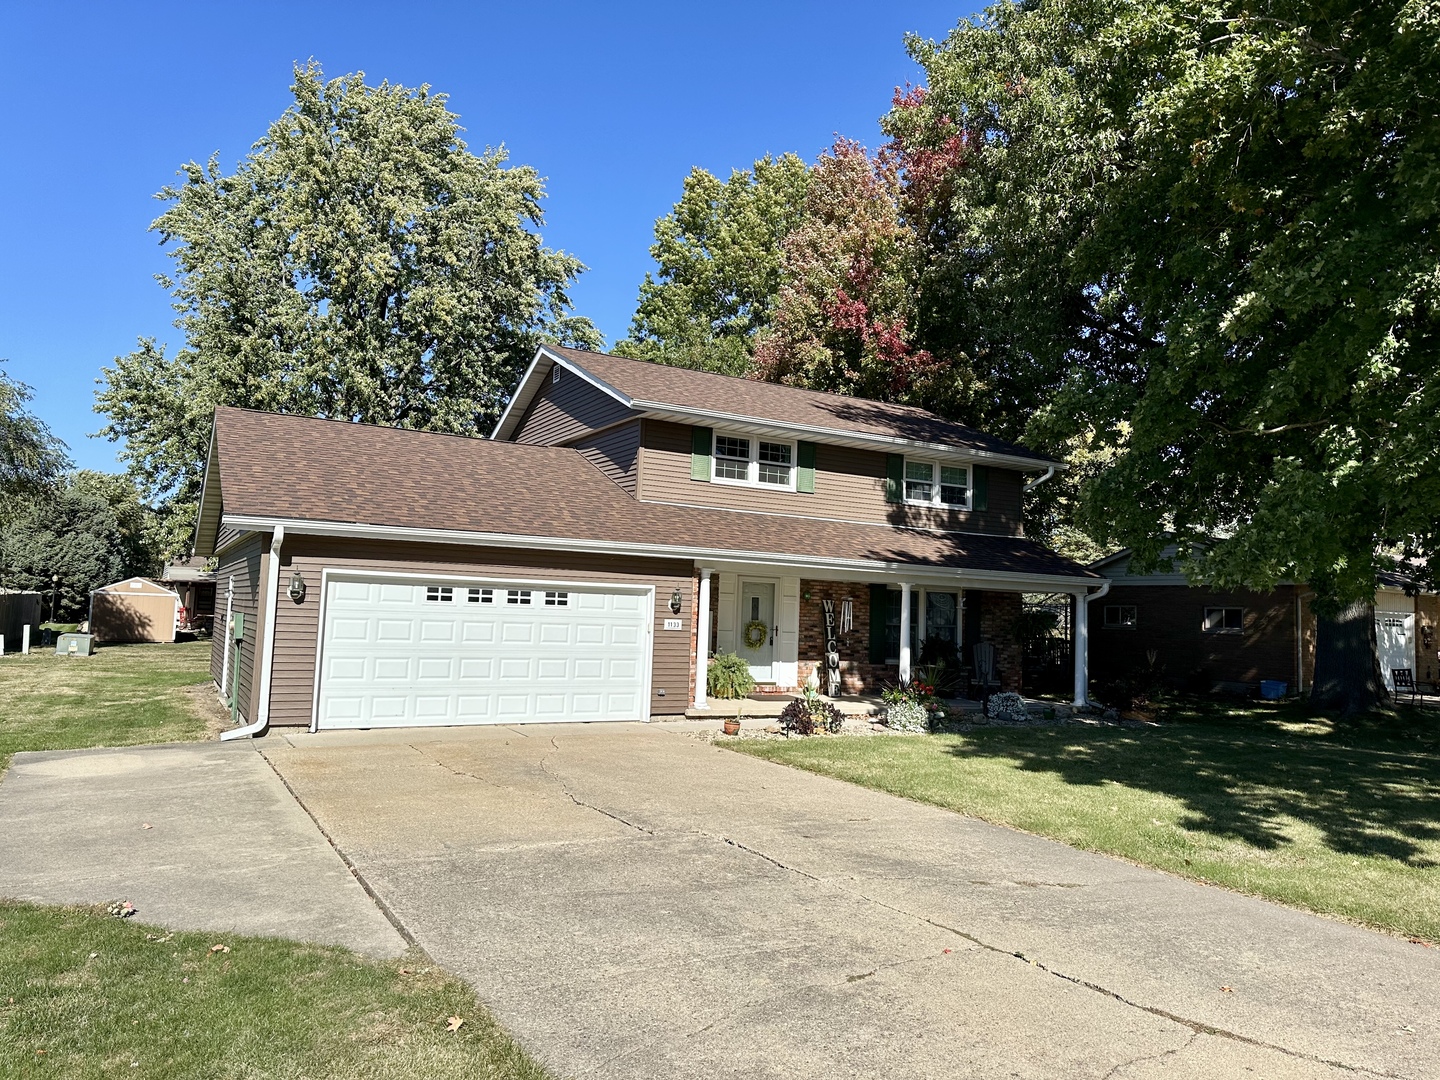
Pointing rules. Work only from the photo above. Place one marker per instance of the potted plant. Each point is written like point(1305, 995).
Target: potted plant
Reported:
point(732, 724)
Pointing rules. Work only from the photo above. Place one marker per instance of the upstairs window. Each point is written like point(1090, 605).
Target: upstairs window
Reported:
point(1224, 620)
point(929, 483)
point(755, 462)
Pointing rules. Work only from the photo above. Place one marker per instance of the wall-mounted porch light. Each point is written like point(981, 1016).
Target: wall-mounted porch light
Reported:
point(675, 601)
point(297, 587)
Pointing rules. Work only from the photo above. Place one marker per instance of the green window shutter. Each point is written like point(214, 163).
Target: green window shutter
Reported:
point(805, 467)
point(894, 478)
point(700, 453)
point(879, 607)
point(981, 485)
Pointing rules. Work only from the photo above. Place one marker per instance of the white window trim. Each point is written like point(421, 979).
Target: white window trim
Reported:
point(934, 501)
point(752, 479)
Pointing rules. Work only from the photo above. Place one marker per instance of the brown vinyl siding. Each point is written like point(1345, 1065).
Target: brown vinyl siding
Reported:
point(243, 562)
point(297, 633)
point(1169, 620)
point(567, 410)
point(616, 453)
point(849, 486)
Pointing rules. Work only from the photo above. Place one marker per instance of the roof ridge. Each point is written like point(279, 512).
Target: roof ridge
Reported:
point(477, 439)
point(778, 385)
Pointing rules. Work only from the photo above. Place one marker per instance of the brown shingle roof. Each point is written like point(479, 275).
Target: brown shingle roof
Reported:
point(643, 380)
point(290, 467)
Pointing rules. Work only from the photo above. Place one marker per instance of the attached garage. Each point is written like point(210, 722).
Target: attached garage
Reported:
point(403, 651)
point(1394, 633)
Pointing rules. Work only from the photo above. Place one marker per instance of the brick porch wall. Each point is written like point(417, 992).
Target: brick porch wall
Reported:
point(857, 674)
point(999, 623)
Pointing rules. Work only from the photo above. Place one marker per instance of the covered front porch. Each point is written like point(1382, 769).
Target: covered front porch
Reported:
point(851, 634)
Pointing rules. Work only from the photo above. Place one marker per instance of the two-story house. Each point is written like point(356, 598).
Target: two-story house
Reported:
point(624, 522)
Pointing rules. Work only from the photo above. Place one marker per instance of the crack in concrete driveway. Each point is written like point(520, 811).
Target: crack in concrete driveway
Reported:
point(680, 910)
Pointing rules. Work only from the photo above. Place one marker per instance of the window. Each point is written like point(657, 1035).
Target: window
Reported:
point(928, 483)
point(437, 594)
point(557, 599)
point(941, 624)
point(517, 596)
point(732, 458)
point(774, 462)
point(1119, 615)
point(482, 596)
point(1224, 620)
point(757, 462)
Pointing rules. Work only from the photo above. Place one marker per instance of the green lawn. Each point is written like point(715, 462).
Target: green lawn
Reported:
point(1263, 799)
point(85, 995)
point(121, 696)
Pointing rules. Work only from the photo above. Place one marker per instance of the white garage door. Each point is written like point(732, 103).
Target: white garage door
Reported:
point(416, 652)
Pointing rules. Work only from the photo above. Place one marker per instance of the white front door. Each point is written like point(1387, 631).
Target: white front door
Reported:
point(410, 652)
point(1394, 643)
point(757, 605)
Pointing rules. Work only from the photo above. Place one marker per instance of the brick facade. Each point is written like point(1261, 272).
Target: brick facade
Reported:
point(999, 621)
point(857, 674)
point(1000, 625)
point(1169, 621)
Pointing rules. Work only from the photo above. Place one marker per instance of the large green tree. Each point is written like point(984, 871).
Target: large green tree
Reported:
point(31, 458)
point(91, 529)
point(360, 263)
point(1217, 225)
point(718, 256)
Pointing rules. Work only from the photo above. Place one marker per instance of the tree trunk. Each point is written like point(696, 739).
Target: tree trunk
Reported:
point(1347, 669)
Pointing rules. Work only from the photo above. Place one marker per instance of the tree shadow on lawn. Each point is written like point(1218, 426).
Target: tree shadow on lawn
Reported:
point(1367, 796)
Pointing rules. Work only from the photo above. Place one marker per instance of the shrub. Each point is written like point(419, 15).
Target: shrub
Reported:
point(728, 677)
point(1007, 706)
point(907, 716)
point(809, 714)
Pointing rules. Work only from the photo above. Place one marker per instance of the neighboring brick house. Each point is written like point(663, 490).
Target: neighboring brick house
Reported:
point(1199, 638)
point(624, 521)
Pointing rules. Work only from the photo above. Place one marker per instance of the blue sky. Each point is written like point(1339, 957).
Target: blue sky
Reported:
point(612, 103)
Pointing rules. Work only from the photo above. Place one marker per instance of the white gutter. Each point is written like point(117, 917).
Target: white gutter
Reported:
point(1031, 485)
point(267, 661)
point(360, 531)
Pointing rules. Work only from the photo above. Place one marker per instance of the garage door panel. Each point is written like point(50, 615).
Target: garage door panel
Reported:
point(392, 668)
point(416, 653)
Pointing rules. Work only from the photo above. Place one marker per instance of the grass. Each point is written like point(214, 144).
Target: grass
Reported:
point(1340, 820)
point(122, 696)
point(83, 994)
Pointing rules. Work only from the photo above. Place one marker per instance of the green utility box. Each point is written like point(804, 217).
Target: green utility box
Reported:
point(237, 626)
point(75, 645)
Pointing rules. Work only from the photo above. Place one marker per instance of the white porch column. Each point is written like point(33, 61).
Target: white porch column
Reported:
point(702, 640)
point(904, 632)
point(1082, 647)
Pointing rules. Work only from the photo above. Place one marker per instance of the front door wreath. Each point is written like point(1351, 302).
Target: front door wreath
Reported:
point(756, 631)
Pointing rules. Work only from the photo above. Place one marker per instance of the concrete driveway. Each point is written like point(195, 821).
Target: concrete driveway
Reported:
point(634, 903)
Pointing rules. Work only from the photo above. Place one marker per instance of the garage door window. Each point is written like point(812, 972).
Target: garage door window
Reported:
point(517, 596)
point(482, 596)
point(437, 594)
point(557, 599)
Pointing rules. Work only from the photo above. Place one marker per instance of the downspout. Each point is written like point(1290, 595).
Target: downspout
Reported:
point(267, 659)
point(1031, 485)
point(1082, 631)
